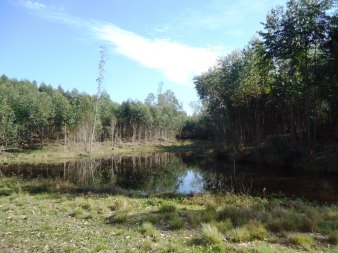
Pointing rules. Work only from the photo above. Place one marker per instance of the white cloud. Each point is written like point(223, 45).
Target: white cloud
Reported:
point(33, 5)
point(178, 62)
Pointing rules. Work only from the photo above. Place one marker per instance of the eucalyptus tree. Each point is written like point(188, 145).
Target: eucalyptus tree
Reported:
point(108, 117)
point(99, 81)
point(62, 113)
point(7, 122)
point(82, 123)
point(296, 35)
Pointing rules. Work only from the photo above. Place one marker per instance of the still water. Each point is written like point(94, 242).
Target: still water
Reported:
point(183, 173)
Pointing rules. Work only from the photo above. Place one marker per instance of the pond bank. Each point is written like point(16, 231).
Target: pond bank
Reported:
point(297, 157)
point(274, 154)
point(41, 215)
point(55, 153)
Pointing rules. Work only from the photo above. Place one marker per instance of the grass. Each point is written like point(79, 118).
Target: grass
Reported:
point(62, 219)
point(303, 240)
point(333, 237)
point(149, 230)
point(57, 152)
point(211, 234)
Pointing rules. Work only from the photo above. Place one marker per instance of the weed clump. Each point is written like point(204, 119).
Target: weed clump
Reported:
point(224, 226)
point(210, 237)
point(118, 218)
point(77, 213)
point(254, 230)
point(303, 240)
point(167, 209)
point(204, 216)
point(149, 230)
point(238, 216)
point(333, 237)
point(175, 223)
point(211, 234)
point(239, 235)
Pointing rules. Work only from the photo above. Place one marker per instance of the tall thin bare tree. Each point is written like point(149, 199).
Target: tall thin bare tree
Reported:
point(99, 82)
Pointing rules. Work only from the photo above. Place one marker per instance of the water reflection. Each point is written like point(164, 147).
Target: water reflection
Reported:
point(183, 173)
point(191, 182)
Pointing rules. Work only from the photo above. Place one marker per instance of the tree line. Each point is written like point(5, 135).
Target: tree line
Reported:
point(35, 114)
point(284, 83)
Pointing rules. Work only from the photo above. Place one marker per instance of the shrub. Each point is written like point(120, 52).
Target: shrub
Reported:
point(333, 237)
point(175, 223)
point(77, 213)
point(148, 229)
point(211, 235)
point(302, 240)
point(146, 246)
point(238, 216)
point(256, 230)
point(86, 206)
point(117, 205)
point(239, 235)
point(165, 209)
point(118, 218)
point(224, 226)
point(204, 216)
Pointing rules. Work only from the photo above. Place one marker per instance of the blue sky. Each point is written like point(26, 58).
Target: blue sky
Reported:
point(147, 41)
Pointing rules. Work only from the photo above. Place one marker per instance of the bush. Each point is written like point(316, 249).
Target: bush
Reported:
point(224, 226)
point(291, 220)
point(211, 235)
point(256, 230)
point(333, 237)
point(302, 240)
point(204, 216)
point(148, 229)
point(165, 209)
point(118, 218)
point(251, 231)
point(175, 223)
point(238, 216)
point(239, 235)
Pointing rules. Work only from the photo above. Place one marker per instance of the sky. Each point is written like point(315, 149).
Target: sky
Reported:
point(147, 42)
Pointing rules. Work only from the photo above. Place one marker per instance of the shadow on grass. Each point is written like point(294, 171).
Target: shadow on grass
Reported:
point(196, 146)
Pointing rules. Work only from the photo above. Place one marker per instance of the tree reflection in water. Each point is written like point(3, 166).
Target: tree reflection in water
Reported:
point(183, 173)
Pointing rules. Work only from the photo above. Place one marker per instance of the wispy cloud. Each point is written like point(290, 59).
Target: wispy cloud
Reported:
point(32, 5)
point(178, 62)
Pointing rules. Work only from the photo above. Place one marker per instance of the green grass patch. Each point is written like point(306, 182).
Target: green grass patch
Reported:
point(167, 209)
point(175, 222)
point(300, 239)
point(333, 237)
point(149, 230)
point(118, 218)
point(68, 221)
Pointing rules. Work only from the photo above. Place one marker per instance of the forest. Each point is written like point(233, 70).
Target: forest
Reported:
point(253, 169)
point(32, 114)
point(283, 83)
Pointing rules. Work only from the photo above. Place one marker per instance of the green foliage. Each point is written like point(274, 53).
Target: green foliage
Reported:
point(254, 230)
point(210, 235)
point(167, 209)
point(149, 230)
point(281, 84)
point(175, 222)
point(118, 218)
point(31, 114)
point(303, 240)
point(333, 237)
point(67, 220)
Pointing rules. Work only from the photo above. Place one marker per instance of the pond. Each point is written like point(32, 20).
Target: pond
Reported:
point(183, 173)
